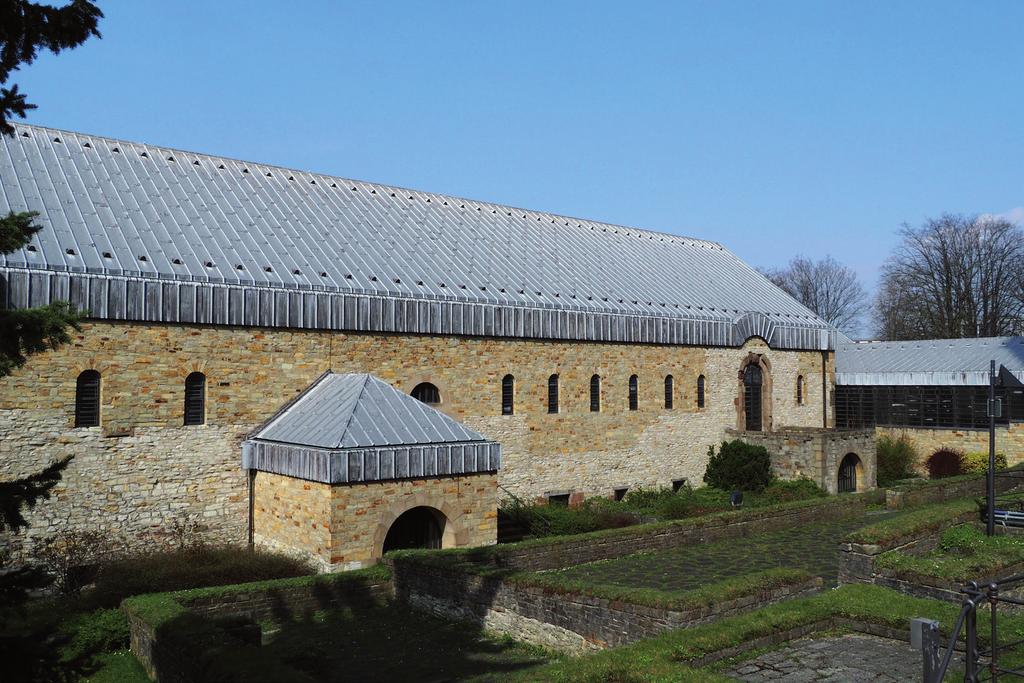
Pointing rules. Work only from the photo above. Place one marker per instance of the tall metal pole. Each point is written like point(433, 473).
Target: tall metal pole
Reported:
point(990, 527)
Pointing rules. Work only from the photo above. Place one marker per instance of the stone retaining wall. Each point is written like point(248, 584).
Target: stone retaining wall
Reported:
point(571, 550)
point(939, 491)
point(179, 650)
point(568, 622)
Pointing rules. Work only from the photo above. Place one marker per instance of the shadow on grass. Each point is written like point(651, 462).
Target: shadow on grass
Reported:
point(333, 631)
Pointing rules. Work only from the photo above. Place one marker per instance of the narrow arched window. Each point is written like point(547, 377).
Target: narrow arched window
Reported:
point(800, 390)
point(195, 399)
point(700, 391)
point(595, 393)
point(427, 393)
point(508, 394)
point(669, 382)
point(634, 393)
point(87, 399)
point(553, 394)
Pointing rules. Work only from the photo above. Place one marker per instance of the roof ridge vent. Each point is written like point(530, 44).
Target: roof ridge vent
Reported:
point(56, 139)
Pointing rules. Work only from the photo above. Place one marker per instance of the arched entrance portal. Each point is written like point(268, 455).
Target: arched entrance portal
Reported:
point(419, 527)
point(752, 381)
point(848, 473)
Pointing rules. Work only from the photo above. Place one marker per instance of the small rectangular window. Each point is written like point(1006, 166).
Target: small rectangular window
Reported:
point(621, 492)
point(558, 499)
point(678, 484)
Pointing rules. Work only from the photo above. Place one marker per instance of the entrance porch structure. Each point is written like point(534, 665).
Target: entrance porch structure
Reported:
point(354, 467)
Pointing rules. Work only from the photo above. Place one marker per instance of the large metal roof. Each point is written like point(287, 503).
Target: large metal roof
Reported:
point(928, 362)
point(356, 427)
point(127, 225)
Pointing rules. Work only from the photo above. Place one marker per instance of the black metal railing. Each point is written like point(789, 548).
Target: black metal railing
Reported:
point(980, 663)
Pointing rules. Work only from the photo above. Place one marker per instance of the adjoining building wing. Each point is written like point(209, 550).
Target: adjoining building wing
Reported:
point(937, 362)
point(139, 232)
point(349, 428)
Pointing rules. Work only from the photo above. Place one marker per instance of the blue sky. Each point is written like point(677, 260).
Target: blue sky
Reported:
point(775, 128)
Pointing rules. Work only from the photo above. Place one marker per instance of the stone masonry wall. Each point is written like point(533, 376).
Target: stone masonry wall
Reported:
point(344, 526)
point(817, 454)
point(1009, 440)
point(142, 470)
point(568, 622)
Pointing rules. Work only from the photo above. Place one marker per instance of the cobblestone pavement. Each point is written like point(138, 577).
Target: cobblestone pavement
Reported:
point(852, 658)
point(814, 548)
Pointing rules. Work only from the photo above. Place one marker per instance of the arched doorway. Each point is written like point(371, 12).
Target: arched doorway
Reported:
point(848, 473)
point(419, 527)
point(753, 379)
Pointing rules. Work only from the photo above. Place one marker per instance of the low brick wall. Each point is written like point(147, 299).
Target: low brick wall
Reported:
point(557, 553)
point(568, 622)
point(181, 645)
point(940, 491)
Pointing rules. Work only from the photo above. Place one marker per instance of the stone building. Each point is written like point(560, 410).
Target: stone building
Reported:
point(216, 291)
point(935, 391)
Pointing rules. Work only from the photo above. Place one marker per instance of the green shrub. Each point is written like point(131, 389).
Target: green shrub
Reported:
point(945, 462)
point(977, 461)
point(738, 465)
point(787, 491)
point(559, 520)
point(963, 539)
point(190, 568)
point(89, 634)
point(896, 458)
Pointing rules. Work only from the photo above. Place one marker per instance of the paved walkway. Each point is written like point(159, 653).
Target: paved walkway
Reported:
point(853, 658)
point(813, 547)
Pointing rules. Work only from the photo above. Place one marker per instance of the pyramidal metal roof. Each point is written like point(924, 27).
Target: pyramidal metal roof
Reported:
point(928, 361)
point(361, 411)
point(356, 427)
point(141, 232)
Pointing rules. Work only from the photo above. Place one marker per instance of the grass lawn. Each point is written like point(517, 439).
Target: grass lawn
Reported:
point(394, 643)
point(812, 548)
point(964, 554)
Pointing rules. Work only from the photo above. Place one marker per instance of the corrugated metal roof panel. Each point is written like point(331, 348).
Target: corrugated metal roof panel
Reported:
point(126, 209)
point(353, 411)
point(927, 362)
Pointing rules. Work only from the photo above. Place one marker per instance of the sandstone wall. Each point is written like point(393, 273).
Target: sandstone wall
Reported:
point(344, 526)
point(142, 469)
point(1009, 440)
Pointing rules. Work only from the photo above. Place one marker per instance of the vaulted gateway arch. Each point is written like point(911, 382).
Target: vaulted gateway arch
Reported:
point(353, 468)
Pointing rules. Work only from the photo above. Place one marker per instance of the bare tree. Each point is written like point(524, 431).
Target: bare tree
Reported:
point(955, 276)
point(827, 287)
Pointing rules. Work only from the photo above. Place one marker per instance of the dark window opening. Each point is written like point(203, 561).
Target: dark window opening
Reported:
point(944, 407)
point(427, 393)
point(800, 390)
point(678, 484)
point(553, 394)
point(620, 493)
point(508, 394)
point(848, 474)
point(752, 379)
point(87, 399)
point(634, 393)
point(195, 399)
point(420, 527)
point(558, 499)
point(595, 394)
point(669, 382)
point(700, 391)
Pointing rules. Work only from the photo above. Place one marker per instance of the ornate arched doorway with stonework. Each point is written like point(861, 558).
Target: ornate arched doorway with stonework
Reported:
point(754, 399)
